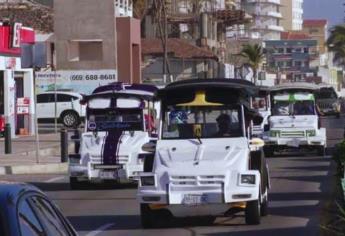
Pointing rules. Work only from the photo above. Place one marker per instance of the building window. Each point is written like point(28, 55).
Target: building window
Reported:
point(298, 63)
point(289, 50)
point(85, 50)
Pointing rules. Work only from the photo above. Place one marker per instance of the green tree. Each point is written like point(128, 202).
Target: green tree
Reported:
point(336, 44)
point(254, 55)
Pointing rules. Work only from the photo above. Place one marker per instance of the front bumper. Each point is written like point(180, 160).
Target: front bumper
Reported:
point(95, 173)
point(214, 197)
point(295, 141)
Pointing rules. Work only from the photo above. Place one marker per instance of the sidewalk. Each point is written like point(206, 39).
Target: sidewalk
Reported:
point(23, 159)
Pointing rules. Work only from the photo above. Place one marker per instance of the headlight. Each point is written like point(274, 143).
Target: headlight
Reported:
point(247, 179)
point(274, 133)
point(311, 133)
point(147, 180)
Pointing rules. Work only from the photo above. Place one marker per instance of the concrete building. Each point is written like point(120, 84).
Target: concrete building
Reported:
point(201, 25)
point(16, 84)
point(317, 29)
point(266, 18)
point(186, 61)
point(292, 57)
point(292, 12)
point(92, 50)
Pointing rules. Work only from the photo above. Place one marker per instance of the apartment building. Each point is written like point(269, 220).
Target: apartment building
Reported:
point(292, 56)
point(292, 12)
point(317, 29)
point(266, 18)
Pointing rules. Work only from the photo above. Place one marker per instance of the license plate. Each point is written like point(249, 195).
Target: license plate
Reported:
point(194, 200)
point(107, 174)
point(293, 143)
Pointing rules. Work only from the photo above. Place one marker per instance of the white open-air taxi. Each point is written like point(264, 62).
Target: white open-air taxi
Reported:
point(294, 122)
point(120, 119)
point(205, 161)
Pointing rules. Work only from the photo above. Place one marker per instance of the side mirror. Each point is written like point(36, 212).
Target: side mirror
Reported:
point(149, 147)
point(256, 143)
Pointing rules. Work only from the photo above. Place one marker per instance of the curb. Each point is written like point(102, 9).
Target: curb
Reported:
point(58, 168)
point(51, 151)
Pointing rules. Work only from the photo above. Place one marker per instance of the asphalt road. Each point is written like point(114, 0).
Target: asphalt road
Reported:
point(301, 187)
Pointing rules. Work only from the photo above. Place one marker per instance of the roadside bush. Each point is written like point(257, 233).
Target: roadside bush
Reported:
point(337, 227)
point(339, 157)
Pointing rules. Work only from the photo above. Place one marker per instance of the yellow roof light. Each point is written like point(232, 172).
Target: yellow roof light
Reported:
point(200, 100)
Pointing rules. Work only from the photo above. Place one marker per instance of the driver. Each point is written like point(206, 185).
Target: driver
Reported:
point(224, 122)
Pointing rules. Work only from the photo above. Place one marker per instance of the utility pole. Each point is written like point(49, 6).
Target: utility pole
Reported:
point(165, 46)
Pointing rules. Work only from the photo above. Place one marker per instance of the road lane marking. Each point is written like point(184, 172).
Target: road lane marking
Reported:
point(56, 179)
point(100, 229)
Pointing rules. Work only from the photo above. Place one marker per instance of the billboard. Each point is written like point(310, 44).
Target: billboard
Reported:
point(78, 81)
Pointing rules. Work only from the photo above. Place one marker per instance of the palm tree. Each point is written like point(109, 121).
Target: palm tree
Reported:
point(254, 55)
point(336, 44)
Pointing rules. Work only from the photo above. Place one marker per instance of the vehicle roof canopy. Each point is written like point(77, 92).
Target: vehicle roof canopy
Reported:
point(224, 91)
point(120, 89)
point(294, 87)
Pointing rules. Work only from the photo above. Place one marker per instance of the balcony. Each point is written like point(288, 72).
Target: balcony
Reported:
point(275, 28)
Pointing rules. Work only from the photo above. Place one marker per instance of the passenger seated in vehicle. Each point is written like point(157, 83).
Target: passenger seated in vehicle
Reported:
point(303, 108)
point(224, 122)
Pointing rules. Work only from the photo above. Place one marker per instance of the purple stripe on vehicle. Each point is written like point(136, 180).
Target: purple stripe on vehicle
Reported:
point(111, 145)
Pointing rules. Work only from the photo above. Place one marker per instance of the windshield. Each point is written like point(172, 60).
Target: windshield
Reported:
point(184, 122)
point(287, 108)
point(119, 119)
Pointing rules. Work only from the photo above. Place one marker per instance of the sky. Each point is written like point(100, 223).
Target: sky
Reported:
point(332, 10)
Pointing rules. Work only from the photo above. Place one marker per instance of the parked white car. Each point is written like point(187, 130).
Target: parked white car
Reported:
point(205, 162)
point(294, 122)
point(119, 121)
point(69, 109)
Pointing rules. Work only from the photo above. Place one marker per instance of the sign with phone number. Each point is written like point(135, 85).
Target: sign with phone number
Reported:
point(79, 81)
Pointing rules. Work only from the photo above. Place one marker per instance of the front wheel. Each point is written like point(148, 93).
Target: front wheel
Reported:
point(269, 152)
point(70, 119)
point(253, 212)
point(264, 204)
point(154, 218)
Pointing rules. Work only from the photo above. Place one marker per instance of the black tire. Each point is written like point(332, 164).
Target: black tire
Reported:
point(264, 204)
point(70, 119)
point(321, 151)
point(148, 163)
point(74, 183)
point(146, 216)
point(154, 218)
point(253, 212)
point(268, 151)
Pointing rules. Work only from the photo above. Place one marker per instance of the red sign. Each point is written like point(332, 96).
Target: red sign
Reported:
point(11, 37)
point(23, 106)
